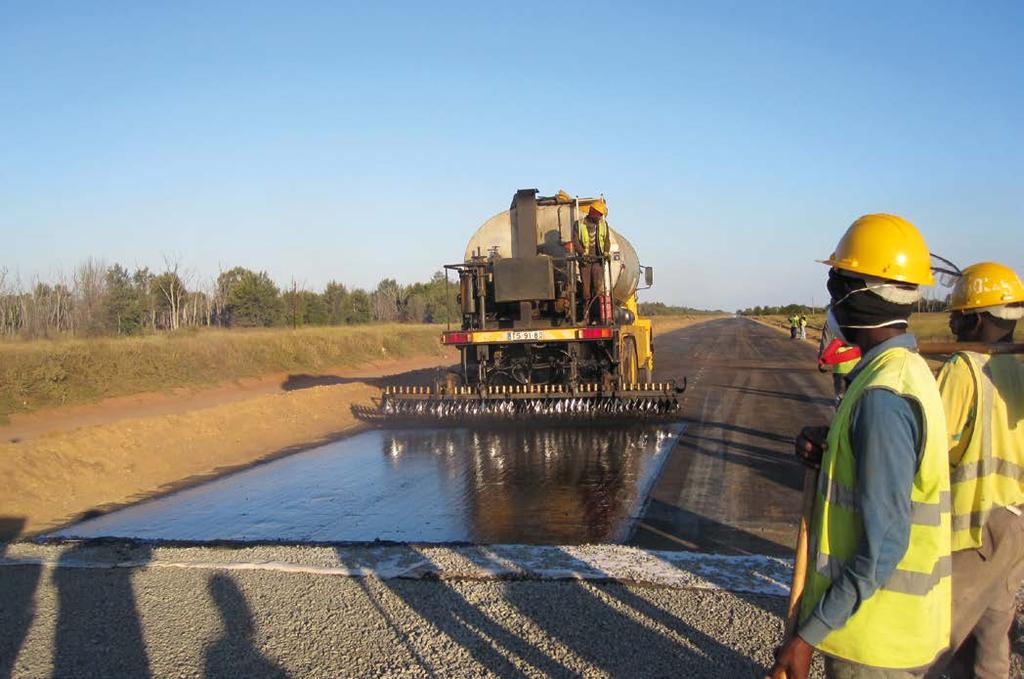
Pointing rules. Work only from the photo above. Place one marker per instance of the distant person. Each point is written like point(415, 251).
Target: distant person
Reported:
point(878, 594)
point(983, 396)
point(592, 242)
point(794, 326)
point(803, 327)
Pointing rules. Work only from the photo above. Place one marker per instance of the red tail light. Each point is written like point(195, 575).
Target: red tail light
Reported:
point(455, 338)
point(595, 333)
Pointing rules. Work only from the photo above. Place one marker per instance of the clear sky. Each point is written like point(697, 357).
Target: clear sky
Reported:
point(734, 141)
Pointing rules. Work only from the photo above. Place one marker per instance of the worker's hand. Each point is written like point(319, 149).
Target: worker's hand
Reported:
point(792, 660)
point(810, 445)
point(822, 368)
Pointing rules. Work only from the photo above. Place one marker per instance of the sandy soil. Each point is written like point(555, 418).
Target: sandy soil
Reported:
point(136, 447)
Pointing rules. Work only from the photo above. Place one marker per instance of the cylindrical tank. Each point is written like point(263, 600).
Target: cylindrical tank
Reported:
point(554, 227)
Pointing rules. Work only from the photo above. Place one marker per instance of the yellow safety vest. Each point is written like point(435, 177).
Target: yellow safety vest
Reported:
point(905, 624)
point(990, 474)
point(602, 235)
point(845, 367)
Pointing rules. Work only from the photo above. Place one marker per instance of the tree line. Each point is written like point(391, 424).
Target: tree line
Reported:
point(662, 309)
point(925, 304)
point(98, 299)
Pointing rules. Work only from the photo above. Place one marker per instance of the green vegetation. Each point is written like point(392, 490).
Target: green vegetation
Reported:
point(37, 374)
point(662, 309)
point(99, 300)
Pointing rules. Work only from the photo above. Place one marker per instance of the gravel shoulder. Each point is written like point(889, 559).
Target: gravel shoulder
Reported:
point(82, 610)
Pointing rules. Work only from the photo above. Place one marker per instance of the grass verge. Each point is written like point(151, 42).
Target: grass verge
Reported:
point(47, 373)
point(925, 326)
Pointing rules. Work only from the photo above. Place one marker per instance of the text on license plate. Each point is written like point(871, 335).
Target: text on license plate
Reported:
point(524, 335)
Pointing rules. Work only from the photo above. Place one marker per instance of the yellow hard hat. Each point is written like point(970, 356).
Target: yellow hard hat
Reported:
point(885, 246)
point(986, 284)
point(600, 206)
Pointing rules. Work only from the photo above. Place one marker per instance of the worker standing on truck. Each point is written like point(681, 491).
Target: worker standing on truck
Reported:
point(593, 244)
point(983, 396)
point(877, 597)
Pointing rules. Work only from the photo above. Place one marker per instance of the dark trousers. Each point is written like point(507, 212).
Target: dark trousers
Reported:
point(985, 586)
point(592, 275)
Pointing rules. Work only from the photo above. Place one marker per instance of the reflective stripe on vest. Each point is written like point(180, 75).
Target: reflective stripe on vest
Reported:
point(602, 235)
point(905, 624)
point(990, 474)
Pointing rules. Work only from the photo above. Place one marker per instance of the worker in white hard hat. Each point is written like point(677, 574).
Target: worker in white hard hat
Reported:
point(592, 243)
point(877, 596)
point(983, 396)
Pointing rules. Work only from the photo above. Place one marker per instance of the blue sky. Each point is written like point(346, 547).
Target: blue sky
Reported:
point(734, 141)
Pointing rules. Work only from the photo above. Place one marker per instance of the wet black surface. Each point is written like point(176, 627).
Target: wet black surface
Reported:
point(567, 485)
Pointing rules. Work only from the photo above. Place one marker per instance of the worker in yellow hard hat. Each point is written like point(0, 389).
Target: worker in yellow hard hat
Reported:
point(592, 243)
point(877, 595)
point(983, 396)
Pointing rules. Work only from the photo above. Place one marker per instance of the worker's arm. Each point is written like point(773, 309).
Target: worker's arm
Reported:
point(885, 435)
point(956, 386)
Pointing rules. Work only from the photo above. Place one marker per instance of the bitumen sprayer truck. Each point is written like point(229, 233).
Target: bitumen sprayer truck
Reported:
point(531, 345)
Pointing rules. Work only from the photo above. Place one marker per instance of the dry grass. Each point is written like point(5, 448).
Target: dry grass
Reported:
point(663, 324)
point(44, 373)
point(926, 326)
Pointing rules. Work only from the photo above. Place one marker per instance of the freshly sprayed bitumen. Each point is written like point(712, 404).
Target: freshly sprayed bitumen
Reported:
point(552, 485)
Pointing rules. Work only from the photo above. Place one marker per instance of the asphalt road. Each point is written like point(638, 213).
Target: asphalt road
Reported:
point(733, 485)
point(730, 486)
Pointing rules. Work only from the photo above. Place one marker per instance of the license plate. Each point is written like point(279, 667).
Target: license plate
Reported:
point(525, 335)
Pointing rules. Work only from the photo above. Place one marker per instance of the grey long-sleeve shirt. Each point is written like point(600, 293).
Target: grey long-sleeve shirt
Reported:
point(886, 437)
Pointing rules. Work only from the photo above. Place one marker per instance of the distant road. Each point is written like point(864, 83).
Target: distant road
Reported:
point(732, 484)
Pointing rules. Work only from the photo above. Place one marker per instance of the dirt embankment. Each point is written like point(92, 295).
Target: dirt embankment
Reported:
point(58, 463)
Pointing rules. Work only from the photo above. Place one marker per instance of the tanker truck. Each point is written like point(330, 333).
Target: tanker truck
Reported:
point(524, 344)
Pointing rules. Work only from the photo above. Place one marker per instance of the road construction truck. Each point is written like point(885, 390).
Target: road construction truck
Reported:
point(530, 343)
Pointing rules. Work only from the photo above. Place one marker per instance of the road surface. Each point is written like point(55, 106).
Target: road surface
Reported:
point(733, 485)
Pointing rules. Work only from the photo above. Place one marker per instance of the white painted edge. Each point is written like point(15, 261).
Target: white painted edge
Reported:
point(761, 575)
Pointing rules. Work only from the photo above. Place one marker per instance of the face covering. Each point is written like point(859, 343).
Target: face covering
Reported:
point(833, 328)
point(857, 305)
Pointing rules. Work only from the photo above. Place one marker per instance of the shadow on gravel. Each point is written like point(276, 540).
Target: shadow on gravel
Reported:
point(98, 633)
point(17, 597)
point(490, 643)
point(606, 625)
point(619, 642)
point(234, 654)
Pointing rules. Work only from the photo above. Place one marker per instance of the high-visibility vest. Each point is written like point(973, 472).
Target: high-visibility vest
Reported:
point(905, 624)
point(990, 474)
point(602, 235)
point(845, 367)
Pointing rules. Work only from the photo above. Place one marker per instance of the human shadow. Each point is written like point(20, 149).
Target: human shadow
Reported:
point(770, 464)
point(701, 533)
point(98, 633)
point(234, 654)
point(615, 638)
point(448, 611)
point(800, 398)
point(17, 597)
